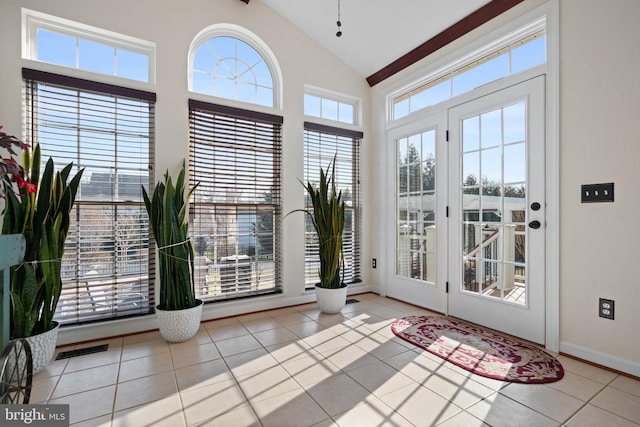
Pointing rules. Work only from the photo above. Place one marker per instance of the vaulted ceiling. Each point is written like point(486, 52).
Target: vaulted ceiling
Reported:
point(375, 33)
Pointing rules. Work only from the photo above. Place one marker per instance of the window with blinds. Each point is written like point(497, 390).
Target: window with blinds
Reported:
point(235, 156)
point(321, 144)
point(108, 265)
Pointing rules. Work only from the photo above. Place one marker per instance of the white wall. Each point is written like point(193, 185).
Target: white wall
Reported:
point(599, 101)
point(172, 26)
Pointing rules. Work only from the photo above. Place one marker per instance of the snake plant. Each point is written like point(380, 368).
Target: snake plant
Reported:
point(44, 219)
point(327, 216)
point(168, 215)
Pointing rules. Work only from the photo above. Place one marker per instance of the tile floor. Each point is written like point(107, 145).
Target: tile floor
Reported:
point(297, 367)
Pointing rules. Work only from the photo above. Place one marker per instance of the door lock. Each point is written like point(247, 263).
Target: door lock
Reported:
point(535, 224)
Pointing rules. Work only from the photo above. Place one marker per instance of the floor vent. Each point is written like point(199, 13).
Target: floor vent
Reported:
point(352, 300)
point(82, 351)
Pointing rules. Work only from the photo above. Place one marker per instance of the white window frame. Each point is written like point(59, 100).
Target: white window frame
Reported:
point(355, 103)
point(478, 54)
point(32, 21)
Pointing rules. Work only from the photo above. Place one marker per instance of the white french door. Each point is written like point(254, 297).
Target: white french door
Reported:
point(496, 239)
point(417, 156)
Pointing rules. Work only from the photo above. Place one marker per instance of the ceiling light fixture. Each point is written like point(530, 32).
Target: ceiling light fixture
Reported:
point(339, 33)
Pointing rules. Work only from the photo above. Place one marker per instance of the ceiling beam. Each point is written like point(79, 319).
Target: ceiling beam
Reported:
point(457, 30)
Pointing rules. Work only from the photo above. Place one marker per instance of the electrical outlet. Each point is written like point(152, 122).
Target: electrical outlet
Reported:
point(606, 308)
point(374, 263)
point(593, 193)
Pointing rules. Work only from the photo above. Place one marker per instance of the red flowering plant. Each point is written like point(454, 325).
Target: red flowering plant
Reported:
point(10, 170)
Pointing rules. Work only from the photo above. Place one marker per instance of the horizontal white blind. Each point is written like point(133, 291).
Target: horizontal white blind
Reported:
point(235, 156)
point(108, 265)
point(321, 144)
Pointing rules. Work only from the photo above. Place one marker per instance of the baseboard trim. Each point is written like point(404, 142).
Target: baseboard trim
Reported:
point(616, 363)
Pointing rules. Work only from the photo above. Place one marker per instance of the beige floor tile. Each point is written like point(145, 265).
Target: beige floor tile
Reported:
point(371, 412)
point(88, 379)
point(200, 338)
point(260, 324)
point(500, 411)
point(306, 329)
point(275, 336)
point(311, 370)
point(291, 409)
point(54, 368)
point(591, 416)
point(145, 366)
point(380, 346)
point(463, 419)
point(379, 378)
point(103, 421)
point(77, 363)
point(326, 340)
point(626, 384)
point(208, 403)
point(545, 400)
point(337, 393)
point(348, 358)
point(243, 416)
point(292, 350)
point(586, 370)
point(577, 386)
point(165, 412)
point(619, 402)
point(89, 404)
point(202, 374)
point(413, 365)
point(420, 405)
point(41, 388)
point(225, 329)
point(237, 345)
point(459, 389)
point(144, 390)
point(194, 355)
point(250, 362)
point(144, 348)
point(267, 383)
point(290, 318)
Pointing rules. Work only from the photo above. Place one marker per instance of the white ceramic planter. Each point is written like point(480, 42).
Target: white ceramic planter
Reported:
point(179, 325)
point(331, 301)
point(43, 347)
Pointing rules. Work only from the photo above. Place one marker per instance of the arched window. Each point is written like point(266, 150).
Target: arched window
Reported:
point(229, 62)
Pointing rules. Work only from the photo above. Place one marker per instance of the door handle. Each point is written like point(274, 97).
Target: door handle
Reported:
point(535, 224)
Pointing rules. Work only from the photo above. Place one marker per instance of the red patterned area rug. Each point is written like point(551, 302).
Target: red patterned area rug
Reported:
point(478, 350)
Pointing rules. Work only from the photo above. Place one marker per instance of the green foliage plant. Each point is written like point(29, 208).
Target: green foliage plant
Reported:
point(168, 210)
point(43, 217)
point(327, 216)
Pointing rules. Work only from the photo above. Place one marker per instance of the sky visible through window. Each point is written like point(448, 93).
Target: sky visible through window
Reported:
point(507, 61)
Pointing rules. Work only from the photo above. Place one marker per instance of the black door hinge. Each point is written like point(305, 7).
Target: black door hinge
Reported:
point(446, 289)
point(447, 212)
point(446, 138)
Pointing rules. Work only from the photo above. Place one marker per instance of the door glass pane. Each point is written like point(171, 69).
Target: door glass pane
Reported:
point(415, 206)
point(494, 204)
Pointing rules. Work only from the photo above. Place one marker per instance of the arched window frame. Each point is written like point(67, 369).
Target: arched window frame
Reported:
point(242, 34)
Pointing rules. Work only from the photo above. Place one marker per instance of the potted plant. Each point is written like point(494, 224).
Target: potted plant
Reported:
point(327, 217)
point(178, 310)
point(43, 218)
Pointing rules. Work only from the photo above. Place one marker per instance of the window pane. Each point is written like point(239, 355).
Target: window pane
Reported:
point(56, 48)
point(320, 149)
point(96, 57)
point(235, 210)
point(482, 74)
point(108, 266)
point(132, 65)
point(528, 55)
point(237, 71)
point(312, 105)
